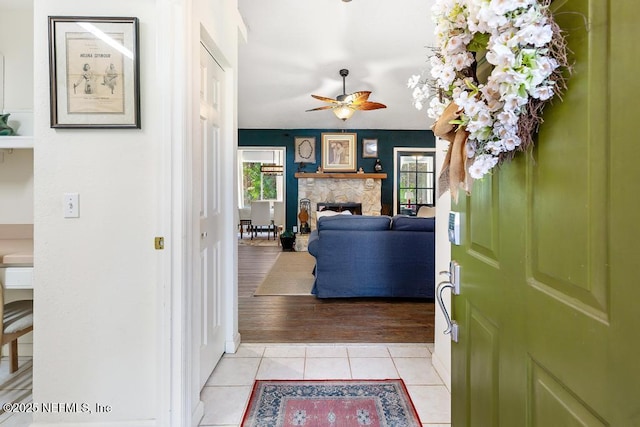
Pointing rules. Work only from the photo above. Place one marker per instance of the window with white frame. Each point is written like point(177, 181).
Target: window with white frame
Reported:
point(261, 175)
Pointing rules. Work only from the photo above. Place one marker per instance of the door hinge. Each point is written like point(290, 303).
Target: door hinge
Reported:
point(159, 243)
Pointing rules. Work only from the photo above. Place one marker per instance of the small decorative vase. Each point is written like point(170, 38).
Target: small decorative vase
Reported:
point(5, 129)
point(378, 166)
point(287, 240)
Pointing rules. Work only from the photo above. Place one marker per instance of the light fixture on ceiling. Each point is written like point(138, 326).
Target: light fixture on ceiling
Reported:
point(343, 112)
point(272, 168)
point(345, 105)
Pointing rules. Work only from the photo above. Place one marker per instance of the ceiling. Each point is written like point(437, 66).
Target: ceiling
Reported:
point(297, 47)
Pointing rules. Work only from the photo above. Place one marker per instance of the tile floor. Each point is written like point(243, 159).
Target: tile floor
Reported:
point(227, 391)
point(16, 387)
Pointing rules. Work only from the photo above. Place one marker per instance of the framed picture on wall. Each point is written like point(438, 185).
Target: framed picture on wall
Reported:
point(94, 72)
point(339, 152)
point(369, 148)
point(305, 149)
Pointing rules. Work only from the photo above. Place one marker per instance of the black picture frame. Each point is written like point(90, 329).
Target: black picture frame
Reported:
point(94, 72)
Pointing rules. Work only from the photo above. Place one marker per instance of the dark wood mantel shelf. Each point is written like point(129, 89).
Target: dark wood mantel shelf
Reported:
point(337, 175)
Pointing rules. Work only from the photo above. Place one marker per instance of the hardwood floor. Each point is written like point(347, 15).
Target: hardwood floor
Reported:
point(308, 319)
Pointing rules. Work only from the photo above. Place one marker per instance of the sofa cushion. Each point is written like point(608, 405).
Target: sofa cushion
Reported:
point(354, 223)
point(412, 223)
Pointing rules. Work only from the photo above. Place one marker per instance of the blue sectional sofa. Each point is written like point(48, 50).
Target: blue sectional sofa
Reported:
point(374, 256)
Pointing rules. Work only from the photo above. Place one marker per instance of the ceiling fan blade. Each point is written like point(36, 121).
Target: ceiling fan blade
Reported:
point(325, 99)
point(368, 106)
point(326, 107)
point(357, 97)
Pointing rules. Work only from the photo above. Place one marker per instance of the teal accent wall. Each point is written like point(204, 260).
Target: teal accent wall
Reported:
point(387, 140)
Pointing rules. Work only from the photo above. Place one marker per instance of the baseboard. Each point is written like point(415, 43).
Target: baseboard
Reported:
point(441, 369)
point(198, 413)
point(232, 345)
point(132, 423)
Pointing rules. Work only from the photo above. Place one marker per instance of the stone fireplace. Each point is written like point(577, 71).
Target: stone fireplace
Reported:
point(363, 188)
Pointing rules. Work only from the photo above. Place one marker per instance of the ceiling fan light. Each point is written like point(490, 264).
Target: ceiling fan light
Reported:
point(343, 112)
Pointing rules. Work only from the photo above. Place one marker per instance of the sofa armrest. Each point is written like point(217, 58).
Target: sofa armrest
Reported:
point(314, 243)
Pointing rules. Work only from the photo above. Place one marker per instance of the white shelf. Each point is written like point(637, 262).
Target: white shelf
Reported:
point(17, 277)
point(16, 142)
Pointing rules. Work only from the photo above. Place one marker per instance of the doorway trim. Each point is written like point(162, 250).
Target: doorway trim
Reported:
point(178, 400)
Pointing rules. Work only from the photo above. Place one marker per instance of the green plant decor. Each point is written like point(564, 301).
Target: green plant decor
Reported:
point(5, 129)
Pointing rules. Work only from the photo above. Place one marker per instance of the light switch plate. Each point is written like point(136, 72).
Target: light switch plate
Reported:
point(71, 205)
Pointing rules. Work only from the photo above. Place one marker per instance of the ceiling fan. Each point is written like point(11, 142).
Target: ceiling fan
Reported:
point(345, 105)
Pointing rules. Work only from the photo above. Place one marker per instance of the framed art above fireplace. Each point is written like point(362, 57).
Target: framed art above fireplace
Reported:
point(339, 152)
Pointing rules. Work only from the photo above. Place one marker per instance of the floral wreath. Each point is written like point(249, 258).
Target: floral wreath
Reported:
point(487, 121)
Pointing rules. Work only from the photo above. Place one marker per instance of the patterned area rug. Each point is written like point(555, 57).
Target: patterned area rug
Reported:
point(335, 403)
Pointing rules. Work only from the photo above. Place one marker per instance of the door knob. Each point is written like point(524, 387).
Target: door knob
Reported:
point(454, 284)
point(441, 287)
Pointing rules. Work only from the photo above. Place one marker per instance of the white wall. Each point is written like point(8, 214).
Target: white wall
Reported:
point(16, 186)
point(96, 291)
point(16, 167)
point(109, 306)
point(442, 343)
point(18, 52)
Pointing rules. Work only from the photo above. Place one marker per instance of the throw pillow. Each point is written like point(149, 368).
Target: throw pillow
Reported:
point(426, 212)
point(320, 214)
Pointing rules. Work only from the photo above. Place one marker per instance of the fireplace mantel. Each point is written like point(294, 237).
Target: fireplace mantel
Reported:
point(337, 175)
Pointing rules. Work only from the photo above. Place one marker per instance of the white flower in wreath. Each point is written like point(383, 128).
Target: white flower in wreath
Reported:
point(482, 164)
point(436, 108)
point(543, 93)
point(516, 35)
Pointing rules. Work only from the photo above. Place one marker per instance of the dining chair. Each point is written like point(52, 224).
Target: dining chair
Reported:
point(17, 320)
point(261, 218)
point(244, 217)
point(278, 217)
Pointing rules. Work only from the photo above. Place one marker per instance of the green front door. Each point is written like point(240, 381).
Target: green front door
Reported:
point(548, 315)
